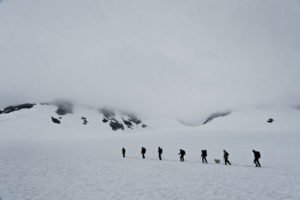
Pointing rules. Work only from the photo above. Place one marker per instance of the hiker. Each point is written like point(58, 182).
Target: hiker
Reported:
point(123, 152)
point(160, 151)
point(256, 158)
point(226, 155)
point(182, 154)
point(143, 151)
point(204, 155)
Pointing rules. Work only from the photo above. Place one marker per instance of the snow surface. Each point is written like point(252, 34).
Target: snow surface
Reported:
point(40, 160)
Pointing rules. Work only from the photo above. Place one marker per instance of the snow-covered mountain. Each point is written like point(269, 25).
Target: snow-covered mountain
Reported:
point(65, 114)
point(62, 118)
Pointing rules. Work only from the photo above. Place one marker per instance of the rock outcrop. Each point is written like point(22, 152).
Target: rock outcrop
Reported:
point(215, 115)
point(10, 109)
point(55, 120)
point(122, 121)
point(85, 121)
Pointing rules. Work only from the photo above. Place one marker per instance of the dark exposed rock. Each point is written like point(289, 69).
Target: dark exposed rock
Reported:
point(55, 120)
point(215, 115)
point(134, 119)
point(63, 107)
point(17, 107)
point(109, 116)
point(144, 126)
point(270, 120)
point(115, 125)
point(128, 123)
point(85, 121)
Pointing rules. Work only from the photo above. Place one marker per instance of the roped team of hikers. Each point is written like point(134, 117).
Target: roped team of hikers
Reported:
point(203, 155)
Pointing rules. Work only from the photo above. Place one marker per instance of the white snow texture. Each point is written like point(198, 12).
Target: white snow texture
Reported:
point(43, 160)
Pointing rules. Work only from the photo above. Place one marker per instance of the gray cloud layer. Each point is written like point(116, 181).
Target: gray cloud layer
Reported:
point(174, 57)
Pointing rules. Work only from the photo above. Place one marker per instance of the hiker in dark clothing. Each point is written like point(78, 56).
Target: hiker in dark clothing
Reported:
point(226, 155)
point(143, 151)
point(256, 158)
point(182, 154)
point(204, 155)
point(123, 152)
point(160, 151)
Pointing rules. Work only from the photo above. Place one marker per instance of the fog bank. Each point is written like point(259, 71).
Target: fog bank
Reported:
point(175, 58)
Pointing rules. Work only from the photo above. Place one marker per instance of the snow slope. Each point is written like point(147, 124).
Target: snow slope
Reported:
point(42, 160)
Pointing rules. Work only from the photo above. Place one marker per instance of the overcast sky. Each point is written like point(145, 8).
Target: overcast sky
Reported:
point(169, 57)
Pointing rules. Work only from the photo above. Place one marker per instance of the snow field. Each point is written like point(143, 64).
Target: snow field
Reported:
point(40, 160)
point(94, 169)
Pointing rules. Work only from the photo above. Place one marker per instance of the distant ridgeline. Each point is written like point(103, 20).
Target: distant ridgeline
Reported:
point(216, 115)
point(116, 120)
point(10, 109)
point(203, 120)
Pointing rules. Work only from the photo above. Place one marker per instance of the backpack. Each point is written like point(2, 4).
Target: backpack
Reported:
point(226, 154)
point(160, 150)
point(143, 150)
point(204, 153)
point(182, 152)
point(258, 154)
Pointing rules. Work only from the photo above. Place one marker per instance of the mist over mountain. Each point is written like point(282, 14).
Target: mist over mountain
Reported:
point(162, 58)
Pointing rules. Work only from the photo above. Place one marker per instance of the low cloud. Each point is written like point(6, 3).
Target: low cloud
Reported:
point(163, 58)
